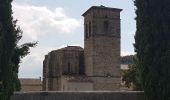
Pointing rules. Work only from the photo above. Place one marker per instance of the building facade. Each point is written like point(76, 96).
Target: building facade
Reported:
point(97, 66)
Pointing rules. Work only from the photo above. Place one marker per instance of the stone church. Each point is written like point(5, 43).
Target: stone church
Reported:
point(94, 68)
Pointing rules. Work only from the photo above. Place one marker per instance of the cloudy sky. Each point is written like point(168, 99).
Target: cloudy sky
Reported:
point(58, 23)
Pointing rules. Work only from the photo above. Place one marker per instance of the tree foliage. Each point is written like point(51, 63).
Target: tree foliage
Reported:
point(131, 76)
point(127, 59)
point(152, 45)
point(10, 52)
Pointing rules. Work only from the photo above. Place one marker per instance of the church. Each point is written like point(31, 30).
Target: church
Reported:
point(94, 68)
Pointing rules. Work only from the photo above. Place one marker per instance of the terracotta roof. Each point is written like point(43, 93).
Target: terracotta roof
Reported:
point(101, 7)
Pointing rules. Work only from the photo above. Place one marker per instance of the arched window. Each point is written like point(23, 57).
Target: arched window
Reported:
point(89, 29)
point(69, 68)
point(106, 26)
point(86, 31)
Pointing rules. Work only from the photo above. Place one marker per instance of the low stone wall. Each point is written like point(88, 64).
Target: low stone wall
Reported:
point(78, 95)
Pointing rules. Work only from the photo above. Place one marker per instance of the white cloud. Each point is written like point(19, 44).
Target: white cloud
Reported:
point(125, 53)
point(37, 21)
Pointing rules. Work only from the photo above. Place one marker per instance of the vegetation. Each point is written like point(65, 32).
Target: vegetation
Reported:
point(127, 59)
point(152, 45)
point(131, 76)
point(10, 52)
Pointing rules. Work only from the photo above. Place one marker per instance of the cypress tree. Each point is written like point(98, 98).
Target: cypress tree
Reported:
point(10, 52)
point(152, 45)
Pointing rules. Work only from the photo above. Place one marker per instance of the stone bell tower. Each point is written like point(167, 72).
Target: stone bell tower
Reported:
point(102, 47)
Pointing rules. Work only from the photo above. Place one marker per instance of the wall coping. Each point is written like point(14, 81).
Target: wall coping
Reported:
point(35, 92)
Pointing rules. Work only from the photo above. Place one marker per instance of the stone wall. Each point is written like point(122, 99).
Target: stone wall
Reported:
point(30, 84)
point(64, 61)
point(106, 83)
point(78, 96)
point(102, 47)
point(79, 86)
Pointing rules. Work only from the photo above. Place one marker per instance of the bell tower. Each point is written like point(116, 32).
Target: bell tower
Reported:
point(102, 46)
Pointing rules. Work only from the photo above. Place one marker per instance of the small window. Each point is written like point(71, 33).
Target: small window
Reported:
point(63, 87)
point(69, 69)
point(106, 26)
point(89, 29)
point(86, 31)
point(108, 75)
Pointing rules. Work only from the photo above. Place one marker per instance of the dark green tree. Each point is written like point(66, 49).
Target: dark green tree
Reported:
point(152, 45)
point(10, 52)
point(131, 76)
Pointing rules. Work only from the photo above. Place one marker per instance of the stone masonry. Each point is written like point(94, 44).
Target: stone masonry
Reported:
point(62, 62)
point(78, 96)
point(97, 67)
point(102, 47)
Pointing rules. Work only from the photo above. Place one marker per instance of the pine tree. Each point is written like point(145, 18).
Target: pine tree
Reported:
point(152, 45)
point(10, 52)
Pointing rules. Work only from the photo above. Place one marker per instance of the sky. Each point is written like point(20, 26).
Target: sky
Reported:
point(57, 23)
